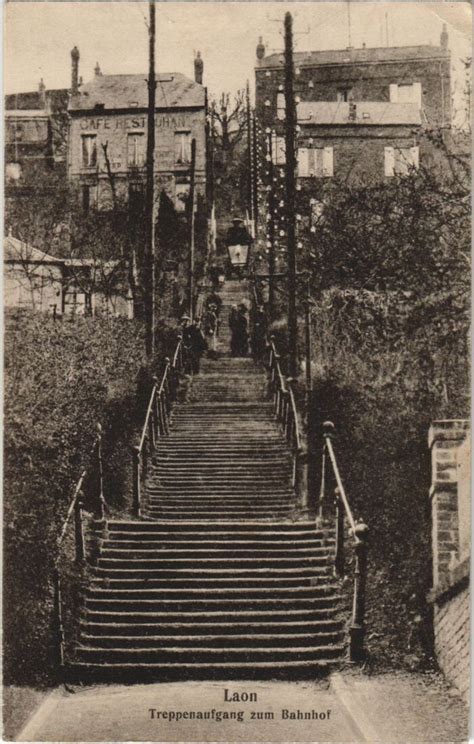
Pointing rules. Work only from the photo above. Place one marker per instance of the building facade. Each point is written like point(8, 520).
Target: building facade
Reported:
point(108, 135)
point(360, 112)
point(36, 135)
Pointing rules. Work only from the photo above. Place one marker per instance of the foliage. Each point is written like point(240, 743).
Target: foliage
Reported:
point(60, 380)
point(373, 378)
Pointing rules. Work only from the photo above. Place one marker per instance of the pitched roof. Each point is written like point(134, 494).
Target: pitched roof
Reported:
point(131, 92)
point(17, 250)
point(367, 113)
point(351, 56)
point(32, 100)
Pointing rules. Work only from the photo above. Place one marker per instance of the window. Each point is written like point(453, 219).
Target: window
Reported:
point(182, 148)
point(400, 160)
point(89, 150)
point(316, 161)
point(182, 193)
point(410, 93)
point(278, 150)
point(344, 94)
point(281, 107)
point(136, 150)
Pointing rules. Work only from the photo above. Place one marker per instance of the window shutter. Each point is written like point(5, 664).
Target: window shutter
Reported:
point(281, 106)
point(389, 161)
point(415, 157)
point(328, 162)
point(417, 94)
point(303, 161)
point(393, 92)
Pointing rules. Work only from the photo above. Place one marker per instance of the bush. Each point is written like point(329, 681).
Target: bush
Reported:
point(382, 377)
point(61, 379)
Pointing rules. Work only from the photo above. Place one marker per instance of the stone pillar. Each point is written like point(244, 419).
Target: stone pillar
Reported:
point(450, 497)
point(445, 439)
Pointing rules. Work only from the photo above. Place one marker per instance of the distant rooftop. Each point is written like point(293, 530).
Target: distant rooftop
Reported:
point(366, 113)
point(131, 91)
point(16, 250)
point(33, 101)
point(352, 55)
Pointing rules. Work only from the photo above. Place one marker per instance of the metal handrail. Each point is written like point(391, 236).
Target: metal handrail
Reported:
point(359, 532)
point(156, 422)
point(75, 507)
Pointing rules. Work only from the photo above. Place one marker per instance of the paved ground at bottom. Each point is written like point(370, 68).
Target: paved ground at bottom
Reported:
point(121, 713)
point(393, 708)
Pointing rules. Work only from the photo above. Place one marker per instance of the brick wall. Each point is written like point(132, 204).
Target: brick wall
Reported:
point(452, 639)
point(449, 441)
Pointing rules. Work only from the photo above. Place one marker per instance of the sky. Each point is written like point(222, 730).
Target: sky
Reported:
point(40, 35)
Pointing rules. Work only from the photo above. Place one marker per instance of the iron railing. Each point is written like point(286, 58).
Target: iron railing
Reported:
point(284, 404)
point(359, 532)
point(157, 420)
point(76, 509)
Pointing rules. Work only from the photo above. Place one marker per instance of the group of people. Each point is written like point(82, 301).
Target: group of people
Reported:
point(200, 335)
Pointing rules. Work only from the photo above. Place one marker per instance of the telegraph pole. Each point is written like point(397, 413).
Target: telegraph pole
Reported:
point(290, 133)
point(150, 195)
point(271, 228)
point(191, 230)
point(250, 158)
point(255, 172)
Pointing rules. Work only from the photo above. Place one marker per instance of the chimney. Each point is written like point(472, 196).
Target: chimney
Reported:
point(198, 68)
point(97, 70)
point(260, 48)
point(444, 39)
point(75, 71)
point(42, 93)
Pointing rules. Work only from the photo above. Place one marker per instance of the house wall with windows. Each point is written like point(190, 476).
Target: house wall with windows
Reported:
point(108, 135)
point(364, 109)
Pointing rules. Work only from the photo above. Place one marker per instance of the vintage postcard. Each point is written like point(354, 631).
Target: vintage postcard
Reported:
point(236, 371)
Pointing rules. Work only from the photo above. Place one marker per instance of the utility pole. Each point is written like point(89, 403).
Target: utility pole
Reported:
point(307, 329)
point(290, 133)
point(150, 195)
point(255, 172)
point(191, 230)
point(271, 228)
point(250, 158)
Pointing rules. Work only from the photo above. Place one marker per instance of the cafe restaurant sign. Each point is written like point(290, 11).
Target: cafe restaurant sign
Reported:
point(162, 121)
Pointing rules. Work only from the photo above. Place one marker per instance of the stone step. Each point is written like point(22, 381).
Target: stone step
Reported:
point(205, 629)
point(232, 562)
point(231, 526)
point(222, 641)
point(282, 616)
point(104, 581)
point(210, 654)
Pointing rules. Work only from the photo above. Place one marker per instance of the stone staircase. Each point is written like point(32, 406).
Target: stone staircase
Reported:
point(220, 578)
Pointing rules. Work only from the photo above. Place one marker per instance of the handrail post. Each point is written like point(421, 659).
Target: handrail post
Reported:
point(78, 530)
point(339, 557)
point(100, 466)
point(357, 627)
point(58, 628)
point(136, 481)
point(154, 416)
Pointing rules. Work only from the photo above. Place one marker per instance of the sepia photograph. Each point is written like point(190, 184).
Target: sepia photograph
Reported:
point(236, 349)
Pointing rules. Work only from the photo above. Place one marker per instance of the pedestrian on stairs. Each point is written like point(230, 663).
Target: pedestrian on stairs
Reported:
point(232, 325)
point(211, 329)
point(194, 343)
point(259, 332)
point(241, 334)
